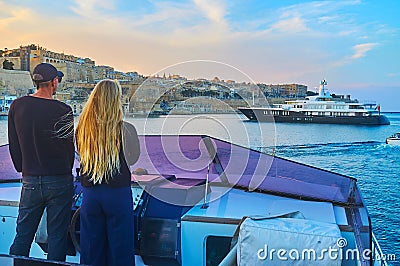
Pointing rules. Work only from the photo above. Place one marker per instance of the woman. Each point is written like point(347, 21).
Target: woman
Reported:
point(106, 220)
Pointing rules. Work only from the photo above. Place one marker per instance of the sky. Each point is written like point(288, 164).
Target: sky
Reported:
point(353, 44)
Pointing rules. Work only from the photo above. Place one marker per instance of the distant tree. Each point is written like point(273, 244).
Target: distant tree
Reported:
point(32, 47)
point(8, 65)
point(311, 93)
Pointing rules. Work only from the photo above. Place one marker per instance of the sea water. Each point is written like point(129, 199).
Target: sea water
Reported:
point(356, 151)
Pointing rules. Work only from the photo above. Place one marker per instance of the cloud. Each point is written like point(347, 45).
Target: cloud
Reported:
point(171, 24)
point(13, 24)
point(319, 18)
point(294, 43)
point(394, 74)
point(292, 25)
point(13, 14)
point(92, 8)
point(213, 10)
point(361, 49)
point(316, 9)
point(165, 15)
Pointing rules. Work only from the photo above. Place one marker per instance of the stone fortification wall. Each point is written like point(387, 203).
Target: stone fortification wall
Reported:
point(15, 60)
point(15, 82)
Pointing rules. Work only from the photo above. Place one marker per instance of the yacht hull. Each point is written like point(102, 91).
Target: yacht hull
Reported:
point(260, 115)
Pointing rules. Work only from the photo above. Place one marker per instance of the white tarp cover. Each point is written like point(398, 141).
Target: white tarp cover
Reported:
point(288, 241)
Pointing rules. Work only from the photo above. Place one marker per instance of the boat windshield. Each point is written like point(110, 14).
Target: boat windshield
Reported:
point(233, 165)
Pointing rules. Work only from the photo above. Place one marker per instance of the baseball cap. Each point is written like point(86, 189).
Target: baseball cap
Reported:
point(45, 72)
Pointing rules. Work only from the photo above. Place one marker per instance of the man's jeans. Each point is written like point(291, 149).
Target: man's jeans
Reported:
point(40, 192)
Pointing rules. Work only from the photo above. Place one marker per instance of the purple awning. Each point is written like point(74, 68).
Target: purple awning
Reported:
point(189, 157)
point(7, 170)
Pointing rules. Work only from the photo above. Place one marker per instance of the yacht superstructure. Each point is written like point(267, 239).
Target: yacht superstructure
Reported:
point(323, 109)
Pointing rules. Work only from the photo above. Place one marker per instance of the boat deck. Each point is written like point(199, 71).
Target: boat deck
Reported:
point(237, 182)
point(220, 217)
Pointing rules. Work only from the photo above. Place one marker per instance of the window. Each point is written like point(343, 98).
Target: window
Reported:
point(217, 247)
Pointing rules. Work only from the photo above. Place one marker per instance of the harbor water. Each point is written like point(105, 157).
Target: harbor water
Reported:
point(356, 151)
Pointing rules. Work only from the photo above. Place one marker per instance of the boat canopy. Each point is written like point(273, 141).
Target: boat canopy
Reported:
point(7, 170)
point(230, 165)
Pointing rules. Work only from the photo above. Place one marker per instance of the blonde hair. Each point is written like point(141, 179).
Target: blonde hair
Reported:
point(99, 132)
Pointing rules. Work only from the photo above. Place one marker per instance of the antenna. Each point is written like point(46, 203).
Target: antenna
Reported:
point(322, 87)
point(213, 156)
point(205, 205)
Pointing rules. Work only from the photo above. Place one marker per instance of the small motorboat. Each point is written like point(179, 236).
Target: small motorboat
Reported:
point(393, 139)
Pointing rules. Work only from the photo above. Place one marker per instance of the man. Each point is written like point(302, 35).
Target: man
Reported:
point(40, 135)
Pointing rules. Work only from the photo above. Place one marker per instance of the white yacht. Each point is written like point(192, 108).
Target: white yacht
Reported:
point(322, 109)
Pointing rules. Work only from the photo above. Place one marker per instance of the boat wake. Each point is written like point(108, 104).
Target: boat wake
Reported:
point(317, 146)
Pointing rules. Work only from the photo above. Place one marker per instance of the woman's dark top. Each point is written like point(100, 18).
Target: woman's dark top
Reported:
point(40, 135)
point(128, 154)
point(121, 179)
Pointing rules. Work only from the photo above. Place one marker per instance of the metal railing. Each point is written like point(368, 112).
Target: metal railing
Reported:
point(377, 254)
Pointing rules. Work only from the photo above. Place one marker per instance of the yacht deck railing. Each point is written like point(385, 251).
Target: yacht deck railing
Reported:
point(378, 256)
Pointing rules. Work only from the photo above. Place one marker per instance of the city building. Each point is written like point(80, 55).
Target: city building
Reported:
point(139, 94)
point(5, 102)
point(75, 69)
point(283, 90)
